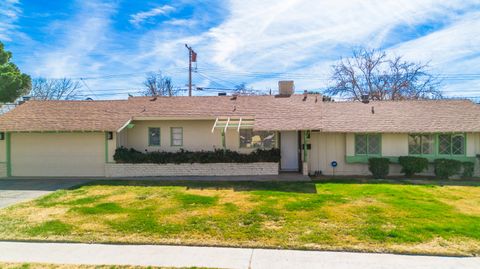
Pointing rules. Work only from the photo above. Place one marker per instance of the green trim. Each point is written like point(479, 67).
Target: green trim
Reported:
point(159, 137)
point(8, 149)
point(106, 147)
point(130, 126)
point(171, 137)
point(436, 146)
point(394, 159)
point(368, 155)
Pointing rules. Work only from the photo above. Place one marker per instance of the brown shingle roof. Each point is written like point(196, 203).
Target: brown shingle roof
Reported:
point(412, 116)
point(270, 113)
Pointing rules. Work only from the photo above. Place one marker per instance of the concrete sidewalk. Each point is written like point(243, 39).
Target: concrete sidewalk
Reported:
point(213, 257)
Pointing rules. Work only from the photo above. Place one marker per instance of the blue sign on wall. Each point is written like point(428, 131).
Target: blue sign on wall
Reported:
point(334, 163)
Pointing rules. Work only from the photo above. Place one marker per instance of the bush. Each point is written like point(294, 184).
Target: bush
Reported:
point(124, 155)
point(411, 165)
point(445, 168)
point(468, 168)
point(379, 167)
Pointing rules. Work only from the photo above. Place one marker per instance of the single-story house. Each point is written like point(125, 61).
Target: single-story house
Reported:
point(79, 138)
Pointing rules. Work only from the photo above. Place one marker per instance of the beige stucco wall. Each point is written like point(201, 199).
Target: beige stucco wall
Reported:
point(3, 151)
point(3, 170)
point(197, 135)
point(58, 154)
point(327, 147)
point(392, 144)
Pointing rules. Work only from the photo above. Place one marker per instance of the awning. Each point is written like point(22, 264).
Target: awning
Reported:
point(233, 122)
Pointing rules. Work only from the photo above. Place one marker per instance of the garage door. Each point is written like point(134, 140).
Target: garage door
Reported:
point(58, 154)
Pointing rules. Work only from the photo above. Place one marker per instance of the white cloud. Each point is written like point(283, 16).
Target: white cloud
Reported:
point(296, 39)
point(138, 18)
point(9, 12)
point(452, 52)
point(305, 37)
point(182, 22)
point(79, 45)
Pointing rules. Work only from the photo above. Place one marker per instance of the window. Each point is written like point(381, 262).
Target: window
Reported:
point(154, 136)
point(451, 144)
point(421, 144)
point(367, 144)
point(176, 134)
point(251, 139)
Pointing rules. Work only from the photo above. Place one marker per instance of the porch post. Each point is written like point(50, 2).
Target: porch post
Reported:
point(224, 144)
point(305, 154)
point(305, 151)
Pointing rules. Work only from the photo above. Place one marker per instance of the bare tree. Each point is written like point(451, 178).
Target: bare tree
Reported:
point(55, 89)
point(372, 73)
point(158, 85)
point(241, 89)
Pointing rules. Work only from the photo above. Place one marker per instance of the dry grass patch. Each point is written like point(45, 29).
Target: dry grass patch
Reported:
point(336, 216)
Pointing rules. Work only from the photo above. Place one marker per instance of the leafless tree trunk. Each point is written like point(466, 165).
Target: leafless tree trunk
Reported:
point(158, 85)
point(371, 73)
point(55, 89)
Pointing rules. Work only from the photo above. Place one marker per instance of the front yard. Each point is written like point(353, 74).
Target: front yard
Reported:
point(353, 216)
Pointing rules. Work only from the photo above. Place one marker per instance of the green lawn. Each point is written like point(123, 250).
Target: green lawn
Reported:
point(380, 217)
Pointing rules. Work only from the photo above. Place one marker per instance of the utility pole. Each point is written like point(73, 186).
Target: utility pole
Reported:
point(192, 57)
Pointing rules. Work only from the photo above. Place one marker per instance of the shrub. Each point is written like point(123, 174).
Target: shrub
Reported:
point(468, 168)
point(411, 165)
point(379, 167)
point(445, 168)
point(124, 155)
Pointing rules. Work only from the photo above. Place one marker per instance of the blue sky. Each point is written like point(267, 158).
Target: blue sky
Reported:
point(112, 44)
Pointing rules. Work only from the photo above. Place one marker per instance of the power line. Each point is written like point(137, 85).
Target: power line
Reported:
point(84, 83)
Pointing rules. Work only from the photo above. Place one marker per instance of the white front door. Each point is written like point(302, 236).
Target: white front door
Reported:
point(289, 151)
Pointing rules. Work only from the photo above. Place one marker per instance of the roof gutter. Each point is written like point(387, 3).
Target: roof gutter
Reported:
point(124, 125)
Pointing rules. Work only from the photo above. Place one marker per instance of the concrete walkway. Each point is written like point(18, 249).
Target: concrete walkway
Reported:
point(18, 190)
point(212, 257)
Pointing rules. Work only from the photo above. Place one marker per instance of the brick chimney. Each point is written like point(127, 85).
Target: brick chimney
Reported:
point(286, 87)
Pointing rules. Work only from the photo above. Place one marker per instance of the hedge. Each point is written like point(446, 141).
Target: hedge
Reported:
point(468, 168)
point(379, 167)
point(445, 168)
point(124, 155)
point(412, 165)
